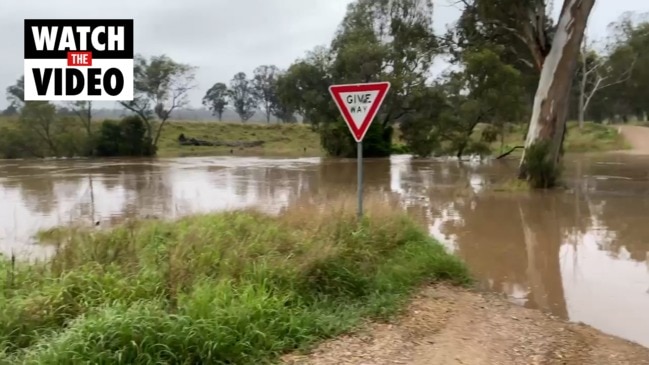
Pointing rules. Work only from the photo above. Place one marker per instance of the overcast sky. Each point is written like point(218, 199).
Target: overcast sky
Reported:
point(223, 37)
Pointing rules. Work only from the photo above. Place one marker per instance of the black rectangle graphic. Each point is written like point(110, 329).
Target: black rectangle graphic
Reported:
point(97, 33)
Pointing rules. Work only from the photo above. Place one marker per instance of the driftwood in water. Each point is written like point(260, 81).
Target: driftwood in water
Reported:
point(184, 141)
point(509, 152)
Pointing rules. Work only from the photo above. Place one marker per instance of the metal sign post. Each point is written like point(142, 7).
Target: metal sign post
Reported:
point(358, 104)
point(359, 178)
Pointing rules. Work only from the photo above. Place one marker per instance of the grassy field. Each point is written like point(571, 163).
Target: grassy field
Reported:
point(290, 140)
point(228, 288)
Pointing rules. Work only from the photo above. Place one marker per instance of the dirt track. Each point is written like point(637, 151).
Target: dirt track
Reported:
point(638, 138)
point(446, 326)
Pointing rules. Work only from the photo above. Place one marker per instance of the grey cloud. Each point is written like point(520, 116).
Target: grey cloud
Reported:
point(221, 37)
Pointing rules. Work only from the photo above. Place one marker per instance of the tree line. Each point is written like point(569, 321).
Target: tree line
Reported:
point(246, 96)
point(512, 64)
point(43, 129)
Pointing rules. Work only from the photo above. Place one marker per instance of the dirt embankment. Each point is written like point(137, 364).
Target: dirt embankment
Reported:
point(638, 138)
point(447, 326)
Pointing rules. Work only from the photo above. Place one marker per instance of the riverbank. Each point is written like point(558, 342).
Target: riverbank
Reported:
point(238, 287)
point(445, 325)
point(299, 140)
point(285, 140)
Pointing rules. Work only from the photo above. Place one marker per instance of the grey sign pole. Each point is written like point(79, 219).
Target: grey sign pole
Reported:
point(359, 179)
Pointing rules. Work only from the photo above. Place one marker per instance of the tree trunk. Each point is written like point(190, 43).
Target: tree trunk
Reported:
point(89, 119)
point(581, 113)
point(551, 100)
point(460, 151)
point(502, 137)
point(159, 132)
point(582, 90)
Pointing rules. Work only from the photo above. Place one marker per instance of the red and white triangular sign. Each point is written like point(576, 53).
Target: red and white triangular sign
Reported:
point(359, 103)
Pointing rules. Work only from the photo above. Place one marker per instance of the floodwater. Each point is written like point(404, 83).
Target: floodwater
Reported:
point(581, 253)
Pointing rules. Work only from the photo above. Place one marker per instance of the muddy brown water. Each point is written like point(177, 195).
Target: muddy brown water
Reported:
point(581, 253)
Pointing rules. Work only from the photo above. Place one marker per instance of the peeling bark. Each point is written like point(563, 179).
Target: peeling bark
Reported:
point(551, 103)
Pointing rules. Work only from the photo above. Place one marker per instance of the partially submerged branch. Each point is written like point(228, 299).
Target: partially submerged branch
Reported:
point(509, 152)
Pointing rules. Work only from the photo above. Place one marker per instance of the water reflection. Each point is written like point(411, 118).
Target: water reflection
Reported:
point(580, 254)
point(37, 195)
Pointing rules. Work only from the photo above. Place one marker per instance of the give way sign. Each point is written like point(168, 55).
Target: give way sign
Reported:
point(359, 103)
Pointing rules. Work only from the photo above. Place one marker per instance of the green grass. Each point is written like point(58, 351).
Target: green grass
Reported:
point(229, 288)
point(7, 121)
point(290, 140)
point(281, 140)
point(594, 138)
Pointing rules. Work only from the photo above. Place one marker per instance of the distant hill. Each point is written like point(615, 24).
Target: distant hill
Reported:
point(188, 114)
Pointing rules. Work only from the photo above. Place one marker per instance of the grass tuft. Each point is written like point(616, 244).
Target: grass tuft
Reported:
point(237, 287)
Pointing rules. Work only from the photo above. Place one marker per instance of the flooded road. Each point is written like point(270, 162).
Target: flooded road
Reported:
point(581, 254)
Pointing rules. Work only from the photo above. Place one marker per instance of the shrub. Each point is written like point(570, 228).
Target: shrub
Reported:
point(126, 138)
point(336, 139)
point(542, 171)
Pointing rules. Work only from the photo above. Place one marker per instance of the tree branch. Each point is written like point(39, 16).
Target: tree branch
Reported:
point(624, 77)
point(141, 111)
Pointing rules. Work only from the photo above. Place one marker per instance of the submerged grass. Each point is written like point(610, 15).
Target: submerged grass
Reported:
point(513, 186)
point(228, 288)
